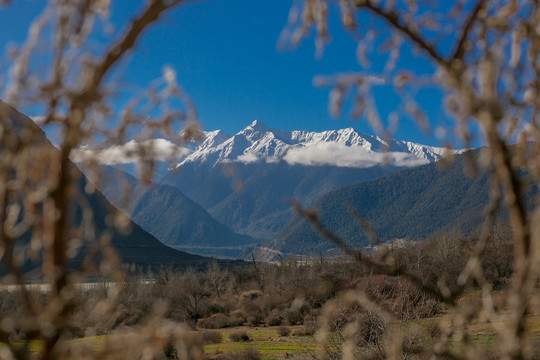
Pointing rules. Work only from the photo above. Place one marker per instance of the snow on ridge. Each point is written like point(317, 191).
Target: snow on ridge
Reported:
point(344, 147)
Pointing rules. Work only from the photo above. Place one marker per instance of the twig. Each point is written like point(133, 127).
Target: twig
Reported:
point(394, 19)
point(460, 47)
point(380, 268)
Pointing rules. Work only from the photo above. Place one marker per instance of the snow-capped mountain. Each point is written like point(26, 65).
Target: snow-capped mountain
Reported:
point(344, 148)
point(246, 180)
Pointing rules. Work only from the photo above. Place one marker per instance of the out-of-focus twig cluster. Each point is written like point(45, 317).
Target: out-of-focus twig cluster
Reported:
point(69, 71)
point(483, 57)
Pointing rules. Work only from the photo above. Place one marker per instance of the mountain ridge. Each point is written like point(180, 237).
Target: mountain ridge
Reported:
point(246, 180)
point(136, 247)
point(412, 203)
point(259, 142)
point(165, 212)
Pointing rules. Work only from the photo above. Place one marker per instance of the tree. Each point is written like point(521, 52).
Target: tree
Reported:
point(484, 58)
point(216, 277)
point(64, 73)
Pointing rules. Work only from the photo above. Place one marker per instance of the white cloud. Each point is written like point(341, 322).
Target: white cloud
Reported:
point(406, 159)
point(341, 155)
point(132, 152)
point(247, 158)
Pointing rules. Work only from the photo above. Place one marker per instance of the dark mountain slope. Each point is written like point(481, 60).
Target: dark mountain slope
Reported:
point(254, 198)
point(178, 221)
point(166, 213)
point(138, 247)
point(408, 204)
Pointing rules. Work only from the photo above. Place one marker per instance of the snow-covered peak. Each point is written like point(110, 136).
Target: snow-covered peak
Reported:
point(344, 147)
point(256, 130)
point(257, 125)
point(213, 138)
point(347, 137)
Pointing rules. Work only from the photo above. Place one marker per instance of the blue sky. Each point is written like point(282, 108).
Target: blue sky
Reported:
point(227, 61)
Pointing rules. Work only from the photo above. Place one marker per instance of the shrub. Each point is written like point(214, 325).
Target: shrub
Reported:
point(294, 317)
point(240, 336)
point(254, 320)
point(237, 313)
point(372, 328)
point(252, 294)
point(251, 309)
point(271, 302)
point(253, 313)
point(283, 331)
point(273, 319)
point(219, 321)
point(309, 327)
point(304, 331)
point(211, 337)
point(216, 321)
point(235, 321)
point(216, 308)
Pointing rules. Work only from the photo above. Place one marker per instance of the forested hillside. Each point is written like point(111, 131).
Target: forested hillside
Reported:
point(411, 204)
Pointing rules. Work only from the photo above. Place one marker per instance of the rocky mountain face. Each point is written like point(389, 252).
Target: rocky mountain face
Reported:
point(246, 181)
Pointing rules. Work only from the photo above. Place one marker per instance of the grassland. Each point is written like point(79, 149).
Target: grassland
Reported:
point(271, 345)
point(266, 341)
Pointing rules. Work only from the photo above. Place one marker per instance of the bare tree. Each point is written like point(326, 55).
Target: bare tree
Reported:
point(62, 71)
point(217, 277)
point(484, 59)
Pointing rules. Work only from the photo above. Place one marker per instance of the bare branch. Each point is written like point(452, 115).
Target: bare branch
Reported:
point(379, 268)
point(393, 18)
point(460, 47)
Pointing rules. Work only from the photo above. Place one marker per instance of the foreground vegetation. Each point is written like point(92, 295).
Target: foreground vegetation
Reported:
point(315, 307)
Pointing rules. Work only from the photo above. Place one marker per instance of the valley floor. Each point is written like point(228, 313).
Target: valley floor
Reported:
point(268, 343)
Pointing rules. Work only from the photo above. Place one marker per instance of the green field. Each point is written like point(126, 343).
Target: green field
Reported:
point(266, 341)
point(270, 345)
